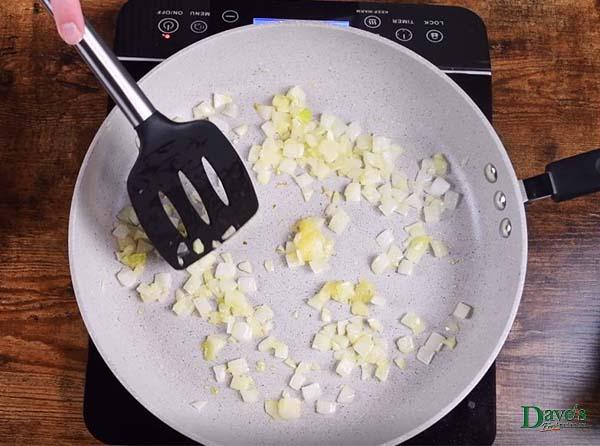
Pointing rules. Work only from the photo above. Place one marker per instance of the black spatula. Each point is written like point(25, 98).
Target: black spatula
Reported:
point(168, 151)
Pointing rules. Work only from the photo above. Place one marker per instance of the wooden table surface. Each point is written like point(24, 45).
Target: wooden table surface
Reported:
point(546, 60)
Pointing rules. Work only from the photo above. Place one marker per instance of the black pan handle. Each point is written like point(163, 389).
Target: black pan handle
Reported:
point(567, 178)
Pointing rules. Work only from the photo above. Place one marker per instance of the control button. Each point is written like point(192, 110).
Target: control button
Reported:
point(230, 16)
point(168, 25)
point(199, 26)
point(404, 35)
point(372, 22)
point(434, 36)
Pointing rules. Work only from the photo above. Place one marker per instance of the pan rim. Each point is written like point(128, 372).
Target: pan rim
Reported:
point(489, 128)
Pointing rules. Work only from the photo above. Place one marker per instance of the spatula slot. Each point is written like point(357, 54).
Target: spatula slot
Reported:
point(194, 196)
point(172, 213)
point(215, 181)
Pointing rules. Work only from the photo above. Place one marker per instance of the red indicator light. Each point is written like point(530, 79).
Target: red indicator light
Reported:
point(166, 36)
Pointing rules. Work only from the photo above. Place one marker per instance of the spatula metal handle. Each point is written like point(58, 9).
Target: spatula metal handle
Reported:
point(112, 75)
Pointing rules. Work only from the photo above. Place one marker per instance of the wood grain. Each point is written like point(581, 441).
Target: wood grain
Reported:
point(546, 60)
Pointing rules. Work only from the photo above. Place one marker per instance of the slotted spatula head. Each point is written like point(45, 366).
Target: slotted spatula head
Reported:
point(169, 149)
point(168, 152)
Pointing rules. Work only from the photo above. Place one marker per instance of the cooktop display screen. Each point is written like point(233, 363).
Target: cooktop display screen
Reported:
point(266, 21)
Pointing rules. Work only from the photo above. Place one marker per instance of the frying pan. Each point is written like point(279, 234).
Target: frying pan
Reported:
point(393, 92)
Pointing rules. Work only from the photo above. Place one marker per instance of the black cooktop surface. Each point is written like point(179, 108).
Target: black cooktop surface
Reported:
point(148, 31)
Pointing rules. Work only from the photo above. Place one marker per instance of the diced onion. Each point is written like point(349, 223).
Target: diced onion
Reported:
point(400, 362)
point(344, 367)
point(414, 322)
point(380, 264)
point(435, 341)
point(425, 355)
point(385, 238)
point(220, 373)
point(241, 331)
point(352, 192)
point(311, 392)
point(406, 267)
point(339, 221)
point(289, 408)
point(297, 381)
point(346, 395)
point(382, 371)
point(250, 395)
point(324, 407)
point(199, 405)
point(462, 311)
point(406, 344)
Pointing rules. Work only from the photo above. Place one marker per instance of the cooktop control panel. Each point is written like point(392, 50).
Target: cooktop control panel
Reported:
point(453, 38)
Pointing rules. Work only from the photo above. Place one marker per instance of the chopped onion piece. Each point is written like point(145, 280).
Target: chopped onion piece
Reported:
point(203, 307)
point(365, 371)
point(462, 311)
point(318, 266)
point(326, 315)
point(414, 322)
point(406, 267)
point(128, 277)
point(439, 248)
point(425, 355)
point(321, 342)
point(228, 233)
point(241, 331)
point(247, 285)
point(281, 350)
point(382, 371)
point(311, 392)
point(269, 266)
point(435, 341)
point(450, 342)
point(225, 270)
point(439, 187)
point(203, 110)
point(297, 381)
point(375, 325)
point(378, 300)
point(221, 100)
point(271, 408)
point(451, 326)
point(290, 363)
point(198, 246)
point(417, 247)
point(232, 111)
point(344, 367)
point(250, 395)
point(406, 344)
point(346, 395)
point(339, 221)
point(264, 111)
point(212, 346)
point(241, 130)
point(380, 264)
point(198, 405)
point(385, 239)
point(241, 382)
point(352, 192)
point(400, 362)
point(220, 373)
point(289, 408)
point(184, 306)
point(326, 407)
point(363, 345)
point(205, 263)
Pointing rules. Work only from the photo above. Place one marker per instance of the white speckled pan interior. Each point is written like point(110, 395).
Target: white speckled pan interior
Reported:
point(393, 92)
